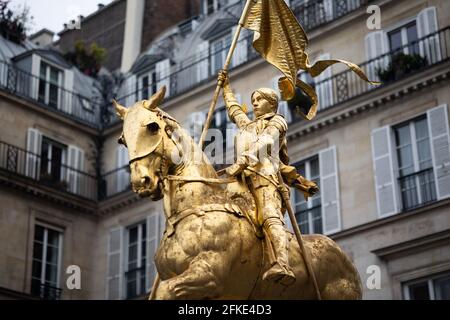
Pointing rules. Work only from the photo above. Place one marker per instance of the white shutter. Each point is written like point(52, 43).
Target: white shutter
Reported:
point(376, 46)
point(240, 53)
point(329, 184)
point(66, 95)
point(328, 9)
point(440, 149)
point(153, 238)
point(195, 124)
point(123, 176)
point(324, 87)
point(163, 74)
point(385, 179)
point(115, 266)
point(35, 71)
point(76, 164)
point(427, 25)
point(34, 144)
point(130, 92)
point(202, 61)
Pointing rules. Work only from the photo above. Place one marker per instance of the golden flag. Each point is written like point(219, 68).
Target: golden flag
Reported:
point(281, 40)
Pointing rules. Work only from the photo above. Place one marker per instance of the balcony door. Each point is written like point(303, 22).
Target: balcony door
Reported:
point(53, 158)
point(50, 82)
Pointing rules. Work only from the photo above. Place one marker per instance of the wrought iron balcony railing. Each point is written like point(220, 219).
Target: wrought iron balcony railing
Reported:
point(45, 291)
point(417, 189)
point(114, 182)
point(49, 95)
point(23, 163)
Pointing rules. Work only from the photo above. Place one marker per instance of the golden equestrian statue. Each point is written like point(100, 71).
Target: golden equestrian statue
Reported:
point(211, 248)
point(225, 237)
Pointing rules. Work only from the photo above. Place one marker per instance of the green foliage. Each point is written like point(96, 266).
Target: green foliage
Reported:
point(401, 64)
point(14, 25)
point(88, 61)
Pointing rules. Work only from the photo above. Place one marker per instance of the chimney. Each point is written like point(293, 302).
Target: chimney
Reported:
point(133, 33)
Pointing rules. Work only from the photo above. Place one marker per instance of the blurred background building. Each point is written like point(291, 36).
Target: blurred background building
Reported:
point(380, 154)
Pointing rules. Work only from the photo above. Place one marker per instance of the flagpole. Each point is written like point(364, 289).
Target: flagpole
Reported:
point(225, 67)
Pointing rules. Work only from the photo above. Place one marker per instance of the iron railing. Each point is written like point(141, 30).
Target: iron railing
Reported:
point(417, 189)
point(313, 14)
point(49, 95)
point(387, 68)
point(45, 291)
point(61, 177)
point(114, 182)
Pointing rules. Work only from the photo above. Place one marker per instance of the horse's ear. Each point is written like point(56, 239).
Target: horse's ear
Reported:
point(156, 100)
point(121, 111)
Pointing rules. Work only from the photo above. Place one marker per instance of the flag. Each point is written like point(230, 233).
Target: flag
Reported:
point(281, 41)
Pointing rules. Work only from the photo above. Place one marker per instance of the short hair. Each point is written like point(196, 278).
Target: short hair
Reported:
point(268, 94)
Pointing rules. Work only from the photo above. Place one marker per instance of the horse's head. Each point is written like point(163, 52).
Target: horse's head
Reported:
point(144, 130)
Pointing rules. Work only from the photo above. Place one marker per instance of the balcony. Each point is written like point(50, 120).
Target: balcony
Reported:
point(389, 68)
point(313, 14)
point(22, 163)
point(48, 95)
point(114, 183)
point(45, 291)
point(417, 189)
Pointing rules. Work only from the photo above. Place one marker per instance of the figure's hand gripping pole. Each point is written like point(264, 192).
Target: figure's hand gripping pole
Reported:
point(285, 195)
point(225, 68)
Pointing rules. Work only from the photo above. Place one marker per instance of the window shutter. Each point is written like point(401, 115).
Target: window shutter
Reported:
point(195, 123)
point(130, 92)
point(240, 54)
point(163, 74)
point(329, 182)
point(153, 237)
point(34, 144)
point(376, 46)
point(66, 95)
point(440, 149)
point(324, 87)
point(427, 25)
point(202, 58)
point(115, 266)
point(35, 71)
point(385, 180)
point(123, 176)
point(75, 164)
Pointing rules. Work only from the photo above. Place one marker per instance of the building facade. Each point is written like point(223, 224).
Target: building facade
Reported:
point(380, 154)
point(125, 28)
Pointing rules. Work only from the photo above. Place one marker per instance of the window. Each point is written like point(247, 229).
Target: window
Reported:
point(412, 141)
point(211, 6)
point(135, 276)
point(219, 53)
point(47, 248)
point(434, 288)
point(404, 39)
point(50, 80)
point(147, 85)
point(308, 213)
point(219, 122)
point(53, 156)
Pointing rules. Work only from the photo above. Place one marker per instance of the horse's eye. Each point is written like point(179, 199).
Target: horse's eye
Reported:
point(153, 128)
point(121, 140)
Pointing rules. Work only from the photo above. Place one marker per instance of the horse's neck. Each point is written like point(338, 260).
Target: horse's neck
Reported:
point(181, 195)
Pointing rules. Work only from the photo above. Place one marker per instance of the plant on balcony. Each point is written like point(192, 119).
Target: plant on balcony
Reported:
point(401, 64)
point(89, 61)
point(14, 25)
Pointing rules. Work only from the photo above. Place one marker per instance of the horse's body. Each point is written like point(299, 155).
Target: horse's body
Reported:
point(210, 249)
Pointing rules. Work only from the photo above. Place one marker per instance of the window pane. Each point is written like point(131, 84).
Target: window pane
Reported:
point(51, 272)
point(52, 255)
point(39, 233)
point(412, 39)
point(132, 255)
point(37, 269)
point(405, 160)
point(419, 291)
point(403, 135)
point(421, 129)
point(442, 288)
point(423, 148)
point(54, 76)
point(314, 168)
point(37, 251)
point(133, 235)
point(53, 238)
point(53, 97)
point(302, 220)
point(395, 40)
point(145, 84)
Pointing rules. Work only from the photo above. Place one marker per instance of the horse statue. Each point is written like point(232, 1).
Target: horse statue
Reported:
point(211, 248)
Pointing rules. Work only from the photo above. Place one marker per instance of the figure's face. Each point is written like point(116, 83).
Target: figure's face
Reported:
point(260, 105)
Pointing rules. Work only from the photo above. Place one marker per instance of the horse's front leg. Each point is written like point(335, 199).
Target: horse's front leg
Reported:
point(202, 280)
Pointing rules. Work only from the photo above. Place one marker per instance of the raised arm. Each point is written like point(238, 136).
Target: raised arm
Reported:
point(235, 112)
